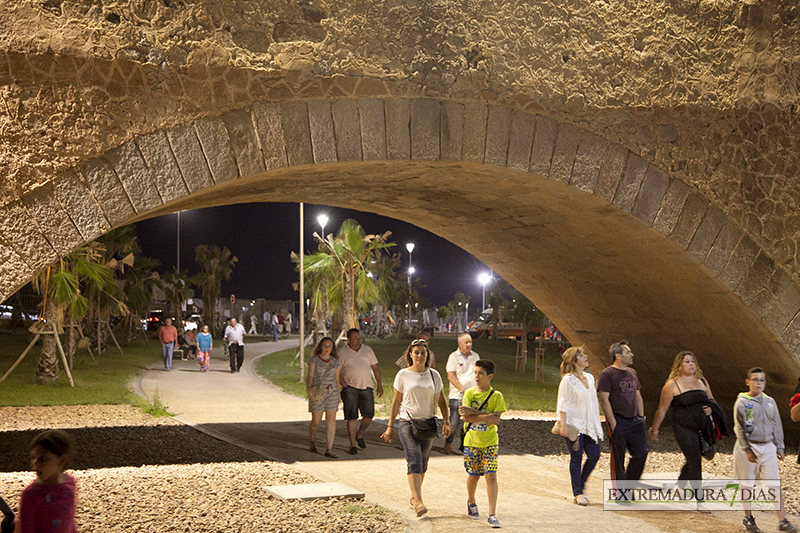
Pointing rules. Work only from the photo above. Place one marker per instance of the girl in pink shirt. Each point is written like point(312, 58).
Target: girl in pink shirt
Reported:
point(48, 504)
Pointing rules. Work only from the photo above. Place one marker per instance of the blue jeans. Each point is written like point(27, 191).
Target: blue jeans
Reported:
point(417, 451)
point(579, 475)
point(275, 332)
point(456, 427)
point(166, 354)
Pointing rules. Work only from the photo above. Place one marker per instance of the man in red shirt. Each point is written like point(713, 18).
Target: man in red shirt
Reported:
point(168, 335)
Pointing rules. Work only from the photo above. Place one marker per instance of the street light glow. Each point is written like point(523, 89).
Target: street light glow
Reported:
point(323, 221)
point(410, 247)
point(411, 270)
point(484, 278)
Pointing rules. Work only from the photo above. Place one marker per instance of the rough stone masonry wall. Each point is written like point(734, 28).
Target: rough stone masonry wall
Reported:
point(707, 90)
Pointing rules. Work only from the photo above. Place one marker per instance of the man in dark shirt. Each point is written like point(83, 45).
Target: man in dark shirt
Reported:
point(620, 395)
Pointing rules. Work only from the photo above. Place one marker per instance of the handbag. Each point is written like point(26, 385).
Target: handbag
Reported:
point(317, 393)
point(424, 428)
point(573, 432)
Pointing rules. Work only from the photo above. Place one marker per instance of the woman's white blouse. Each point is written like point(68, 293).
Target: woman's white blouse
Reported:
point(580, 404)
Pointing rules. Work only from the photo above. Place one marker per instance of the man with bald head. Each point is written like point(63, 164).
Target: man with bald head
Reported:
point(461, 375)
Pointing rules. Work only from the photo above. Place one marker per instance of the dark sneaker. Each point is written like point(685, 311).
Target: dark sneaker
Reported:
point(353, 450)
point(361, 443)
point(749, 524)
point(472, 511)
point(785, 525)
point(493, 521)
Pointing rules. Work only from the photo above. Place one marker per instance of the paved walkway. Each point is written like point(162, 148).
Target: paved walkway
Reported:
point(534, 492)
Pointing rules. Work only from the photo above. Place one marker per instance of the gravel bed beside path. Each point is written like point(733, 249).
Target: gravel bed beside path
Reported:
point(146, 474)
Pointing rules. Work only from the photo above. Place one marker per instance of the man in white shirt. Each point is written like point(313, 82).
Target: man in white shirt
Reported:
point(358, 366)
point(461, 375)
point(234, 337)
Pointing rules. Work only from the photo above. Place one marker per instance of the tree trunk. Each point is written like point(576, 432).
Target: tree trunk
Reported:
point(47, 367)
point(350, 319)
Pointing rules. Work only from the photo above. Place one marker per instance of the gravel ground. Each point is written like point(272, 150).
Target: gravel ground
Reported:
point(139, 473)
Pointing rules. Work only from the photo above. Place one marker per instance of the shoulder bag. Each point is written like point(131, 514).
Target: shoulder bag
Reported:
point(424, 428)
point(468, 425)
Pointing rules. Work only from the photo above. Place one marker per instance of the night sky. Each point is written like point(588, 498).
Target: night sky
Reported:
point(262, 235)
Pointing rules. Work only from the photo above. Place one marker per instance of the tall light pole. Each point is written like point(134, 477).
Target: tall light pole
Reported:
point(466, 315)
point(410, 248)
point(484, 279)
point(302, 296)
point(323, 221)
point(179, 241)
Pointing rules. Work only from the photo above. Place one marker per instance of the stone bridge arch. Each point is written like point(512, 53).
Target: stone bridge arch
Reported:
point(608, 244)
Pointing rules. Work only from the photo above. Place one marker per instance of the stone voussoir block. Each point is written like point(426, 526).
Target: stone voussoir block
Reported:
point(566, 147)
point(651, 195)
point(398, 128)
point(628, 188)
point(57, 227)
point(723, 247)
point(425, 121)
point(523, 127)
point(474, 145)
point(107, 189)
point(544, 140)
point(756, 279)
point(588, 159)
point(323, 140)
point(267, 121)
point(14, 272)
point(706, 233)
point(135, 176)
point(671, 207)
point(612, 169)
point(347, 130)
point(498, 132)
point(785, 307)
point(164, 169)
point(190, 158)
point(22, 233)
point(741, 259)
point(372, 120)
point(216, 145)
point(297, 133)
point(452, 131)
point(77, 200)
point(244, 142)
point(692, 214)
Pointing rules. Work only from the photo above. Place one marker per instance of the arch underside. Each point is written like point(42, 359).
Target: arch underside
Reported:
point(608, 245)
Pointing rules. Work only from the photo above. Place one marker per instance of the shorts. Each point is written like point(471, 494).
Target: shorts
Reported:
point(355, 400)
point(480, 461)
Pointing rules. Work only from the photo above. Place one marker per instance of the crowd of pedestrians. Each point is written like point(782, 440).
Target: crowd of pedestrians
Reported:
point(698, 421)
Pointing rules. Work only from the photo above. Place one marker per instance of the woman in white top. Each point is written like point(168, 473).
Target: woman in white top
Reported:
point(417, 390)
point(578, 407)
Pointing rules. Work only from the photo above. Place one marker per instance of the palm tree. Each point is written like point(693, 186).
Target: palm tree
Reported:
point(217, 265)
point(342, 267)
point(64, 286)
point(176, 290)
point(139, 282)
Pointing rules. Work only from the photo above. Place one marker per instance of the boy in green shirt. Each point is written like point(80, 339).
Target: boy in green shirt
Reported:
point(481, 409)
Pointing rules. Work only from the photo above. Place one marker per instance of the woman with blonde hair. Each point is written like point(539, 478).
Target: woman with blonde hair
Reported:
point(687, 391)
point(579, 419)
point(418, 389)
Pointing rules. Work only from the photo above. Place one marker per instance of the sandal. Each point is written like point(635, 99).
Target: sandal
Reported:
point(420, 508)
point(312, 448)
point(329, 453)
point(580, 499)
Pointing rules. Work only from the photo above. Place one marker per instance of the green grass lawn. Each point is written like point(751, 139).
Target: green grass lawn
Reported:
point(520, 391)
point(103, 382)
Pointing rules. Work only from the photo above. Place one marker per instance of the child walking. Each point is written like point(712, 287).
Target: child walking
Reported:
point(481, 409)
point(759, 442)
point(204, 344)
point(48, 504)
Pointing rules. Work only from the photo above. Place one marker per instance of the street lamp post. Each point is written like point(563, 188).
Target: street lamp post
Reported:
point(466, 315)
point(484, 279)
point(410, 248)
point(323, 221)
